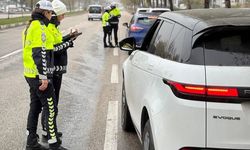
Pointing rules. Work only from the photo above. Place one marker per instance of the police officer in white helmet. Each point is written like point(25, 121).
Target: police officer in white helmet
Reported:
point(60, 56)
point(38, 54)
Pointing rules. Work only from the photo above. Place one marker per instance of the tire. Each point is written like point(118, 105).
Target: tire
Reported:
point(126, 121)
point(147, 137)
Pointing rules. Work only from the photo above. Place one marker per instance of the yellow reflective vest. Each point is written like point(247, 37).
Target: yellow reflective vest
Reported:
point(38, 51)
point(56, 33)
point(114, 15)
point(105, 19)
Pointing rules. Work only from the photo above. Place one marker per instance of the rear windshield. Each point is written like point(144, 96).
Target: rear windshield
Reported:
point(96, 10)
point(146, 20)
point(158, 11)
point(142, 10)
point(228, 47)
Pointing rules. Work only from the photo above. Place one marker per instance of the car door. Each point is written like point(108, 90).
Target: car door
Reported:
point(141, 65)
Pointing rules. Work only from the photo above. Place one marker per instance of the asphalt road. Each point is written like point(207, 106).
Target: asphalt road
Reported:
point(89, 107)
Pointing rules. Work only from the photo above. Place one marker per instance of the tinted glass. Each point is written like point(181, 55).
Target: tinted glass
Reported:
point(150, 36)
point(142, 10)
point(161, 42)
point(95, 10)
point(197, 55)
point(146, 20)
point(159, 11)
point(228, 47)
point(180, 44)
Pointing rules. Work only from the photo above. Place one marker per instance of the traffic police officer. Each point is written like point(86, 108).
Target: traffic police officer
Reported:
point(38, 71)
point(60, 55)
point(115, 14)
point(106, 27)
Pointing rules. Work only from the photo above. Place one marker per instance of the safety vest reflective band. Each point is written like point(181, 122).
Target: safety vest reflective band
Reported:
point(36, 36)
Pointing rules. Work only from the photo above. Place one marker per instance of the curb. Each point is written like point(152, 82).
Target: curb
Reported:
point(2, 27)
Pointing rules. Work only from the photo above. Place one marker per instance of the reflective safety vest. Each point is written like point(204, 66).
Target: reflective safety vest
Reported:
point(105, 19)
point(38, 51)
point(60, 56)
point(58, 38)
point(114, 14)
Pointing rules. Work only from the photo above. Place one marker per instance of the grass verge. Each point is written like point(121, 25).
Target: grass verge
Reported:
point(6, 21)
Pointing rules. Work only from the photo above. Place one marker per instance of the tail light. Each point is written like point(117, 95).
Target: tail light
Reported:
point(202, 92)
point(135, 28)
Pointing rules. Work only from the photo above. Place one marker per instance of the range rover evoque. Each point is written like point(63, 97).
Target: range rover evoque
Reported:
point(187, 87)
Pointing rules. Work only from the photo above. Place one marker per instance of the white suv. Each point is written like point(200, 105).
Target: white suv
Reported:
point(188, 86)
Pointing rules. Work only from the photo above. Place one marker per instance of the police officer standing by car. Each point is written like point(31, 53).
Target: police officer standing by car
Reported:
point(106, 27)
point(60, 55)
point(38, 45)
point(115, 14)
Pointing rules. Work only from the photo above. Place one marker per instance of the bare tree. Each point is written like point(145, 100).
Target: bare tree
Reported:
point(206, 3)
point(171, 5)
point(189, 4)
point(227, 3)
point(165, 3)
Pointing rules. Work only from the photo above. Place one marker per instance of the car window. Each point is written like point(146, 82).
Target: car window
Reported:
point(197, 55)
point(180, 44)
point(159, 45)
point(150, 34)
point(142, 10)
point(159, 11)
point(228, 47)
point(95, 10)
point(146, 20)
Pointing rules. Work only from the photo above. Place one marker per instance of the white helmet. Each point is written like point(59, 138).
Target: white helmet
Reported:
point(59, 7)
point(107, 8)
point(45, 5)
point(113, 4)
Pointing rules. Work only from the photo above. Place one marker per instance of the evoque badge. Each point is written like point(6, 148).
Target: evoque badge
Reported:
point(247, 91)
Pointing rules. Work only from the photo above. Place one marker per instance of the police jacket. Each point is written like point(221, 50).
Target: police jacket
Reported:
point(105, 19)
point(60, 54)
point(115, 14)
point(38, 47)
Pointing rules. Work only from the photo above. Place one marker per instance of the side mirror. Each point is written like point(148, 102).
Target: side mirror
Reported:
point(128, 44)
point(125, 24)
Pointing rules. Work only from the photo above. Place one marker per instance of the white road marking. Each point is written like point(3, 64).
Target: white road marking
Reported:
point(115, 52)
point(114, 74)
point(111, 126)
point(10, 54)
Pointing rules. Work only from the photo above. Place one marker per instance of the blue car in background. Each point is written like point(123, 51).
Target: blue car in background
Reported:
point(139, 26)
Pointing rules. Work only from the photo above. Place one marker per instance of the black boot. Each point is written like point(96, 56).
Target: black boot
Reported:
point(32, 143)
